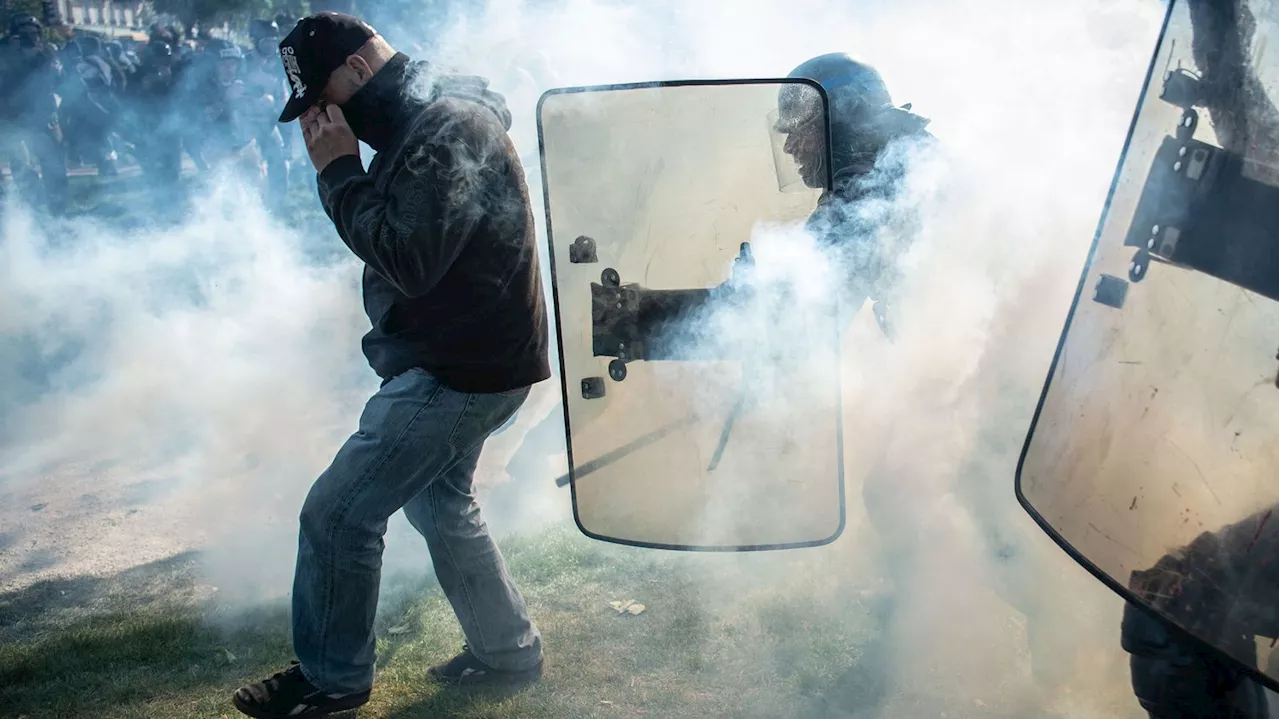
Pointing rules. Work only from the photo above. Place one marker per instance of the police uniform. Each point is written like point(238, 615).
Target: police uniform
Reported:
point(265, 92)
point(29, 113)
point(158, 140)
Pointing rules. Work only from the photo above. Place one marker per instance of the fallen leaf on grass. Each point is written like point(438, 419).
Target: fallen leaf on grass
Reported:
point(630, 606)
point(401, 629)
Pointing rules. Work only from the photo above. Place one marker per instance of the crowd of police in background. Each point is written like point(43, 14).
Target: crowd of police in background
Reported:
point(80, 102)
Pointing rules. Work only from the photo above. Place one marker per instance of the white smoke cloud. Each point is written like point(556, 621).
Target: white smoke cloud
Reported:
point(195, 379)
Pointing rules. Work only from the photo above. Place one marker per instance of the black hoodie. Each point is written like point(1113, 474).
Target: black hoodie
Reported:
point(443, 222)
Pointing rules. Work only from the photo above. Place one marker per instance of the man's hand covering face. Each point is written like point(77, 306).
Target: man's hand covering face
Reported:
point(327, 135)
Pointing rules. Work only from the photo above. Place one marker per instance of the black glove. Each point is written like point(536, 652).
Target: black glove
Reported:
point(1173, 678)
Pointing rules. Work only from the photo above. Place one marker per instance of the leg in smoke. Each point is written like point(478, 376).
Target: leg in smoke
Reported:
point(472, 572)
point(890, 511)
point(413, 433)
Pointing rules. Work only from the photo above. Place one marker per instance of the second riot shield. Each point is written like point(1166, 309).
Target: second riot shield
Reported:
point(697, 332)
point(1153, 453)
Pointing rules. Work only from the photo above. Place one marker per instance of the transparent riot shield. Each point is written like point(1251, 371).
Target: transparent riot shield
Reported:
point(1152, 457)
point(699, 349)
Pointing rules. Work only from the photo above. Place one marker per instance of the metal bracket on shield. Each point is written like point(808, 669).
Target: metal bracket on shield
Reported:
point(1192, 192)
point(1110, 291)
point(583, 251)
point(1182, 88)
point(631, 323)
point(614, 313)
point(1138, 265)
point(592, 387)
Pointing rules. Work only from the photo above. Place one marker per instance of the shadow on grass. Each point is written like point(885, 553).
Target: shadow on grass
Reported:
point(464, 703)
point(857, 692)
point(151, 641)
point(139, 643)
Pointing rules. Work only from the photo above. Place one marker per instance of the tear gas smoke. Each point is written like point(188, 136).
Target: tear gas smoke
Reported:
point(193, 380)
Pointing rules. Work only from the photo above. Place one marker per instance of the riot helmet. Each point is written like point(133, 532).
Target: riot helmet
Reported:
point(20, 23)
point(265, 35)
point(27, 29)
point(158, 33)
point(259, 29)
point(862, 121)
point(227, 57)
point(223, 49)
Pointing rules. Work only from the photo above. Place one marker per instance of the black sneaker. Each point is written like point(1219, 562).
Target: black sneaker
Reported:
point(466, 669)
point(288, 695)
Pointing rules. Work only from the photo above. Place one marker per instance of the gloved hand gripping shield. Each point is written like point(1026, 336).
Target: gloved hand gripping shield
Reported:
point(1152, 457)
point(698, 344)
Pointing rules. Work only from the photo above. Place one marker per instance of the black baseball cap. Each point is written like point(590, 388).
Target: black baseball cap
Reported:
point(318, 45)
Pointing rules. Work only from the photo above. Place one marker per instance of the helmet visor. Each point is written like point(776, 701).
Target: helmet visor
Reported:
point(798, 134)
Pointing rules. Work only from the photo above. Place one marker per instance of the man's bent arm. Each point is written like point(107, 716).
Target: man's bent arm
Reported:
point(408, 233)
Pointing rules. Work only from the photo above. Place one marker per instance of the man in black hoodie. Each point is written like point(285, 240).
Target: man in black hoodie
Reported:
point(443, 222)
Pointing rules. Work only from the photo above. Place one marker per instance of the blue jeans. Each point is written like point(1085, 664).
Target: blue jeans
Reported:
point(416, 449)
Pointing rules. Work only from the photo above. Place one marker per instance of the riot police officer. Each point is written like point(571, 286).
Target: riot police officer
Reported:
point(864, 122)
point(1173, 675)
point(91, 105)
point(1204, 603)
point(265, 94)
point(865, 175)
point(214, 94)
point(122, 68)
point(158, 136)
point(29, 112)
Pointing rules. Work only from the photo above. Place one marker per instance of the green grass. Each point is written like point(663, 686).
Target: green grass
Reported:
point(143, 644)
